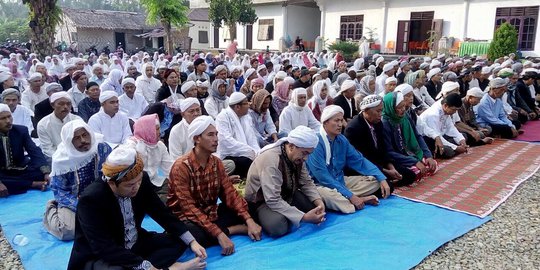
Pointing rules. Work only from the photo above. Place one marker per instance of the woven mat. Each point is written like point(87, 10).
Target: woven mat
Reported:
point(476, 183)
point(531, 132)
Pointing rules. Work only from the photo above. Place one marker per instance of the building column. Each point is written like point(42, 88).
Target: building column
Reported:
point(285, 20)
point(322, 8)
point(466, 4)
point(383, 28)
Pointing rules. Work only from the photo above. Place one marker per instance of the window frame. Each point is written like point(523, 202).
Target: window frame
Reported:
point(520, 18)
point(269, 23)
point(351, 27)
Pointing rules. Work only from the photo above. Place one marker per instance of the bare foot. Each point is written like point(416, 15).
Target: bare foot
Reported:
point(521, 131)
point(192, 264)
point(488, 140)
point(238, 229)
point(371, 199)
point(40, 185)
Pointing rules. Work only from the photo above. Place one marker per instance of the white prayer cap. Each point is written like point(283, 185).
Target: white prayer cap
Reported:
point(40, 64)
point(330, 111)
point(303, 137)
point(106, 95)
point(475, 92)
point(4, 108)
point(68, 66)
point(404, 88)
point(128, 80)
point(423, 66)
point(435, 63)
point(379, 60)
point(219, 69)
point(433, 72)
point(370, 101)
point(447, 87)
point(236, 98)
point(387, 67)
point(122, 156)
point(96, 66)
point(199, 125)
point(390, 79)
point(203, 84)
point(280, 75)
point(505, 72)
point(261, 67)
point(58, 95)
point(346, 85)
point(235, 68)
point(10, 91)
point(375, 56)
point(498, 82)
point(486, 70)
point(54, 87)
point(4, 76)
point(248, 73)
point(35, 76)
point(188, 102)
point(187, 86)
point(427, 59)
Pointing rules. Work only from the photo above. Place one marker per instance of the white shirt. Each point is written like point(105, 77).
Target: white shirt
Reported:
point(23, 116)
point(423, 95)
point(154, 157)
point(236, 136)
point(291, 117)
point(77, 96)
point(147, 87)
point(214, 106)
point(380, 82)
point(179, 143)
point(132, 108)
point(115, 130)
point(48, 130)
point(29, 99)
point(434, 123)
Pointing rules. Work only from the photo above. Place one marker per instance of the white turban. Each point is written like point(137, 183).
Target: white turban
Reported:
point(236, 98)
point(122, 156)
point(388, 67)
point(34, 76)
point(446, 88)
point(53, 87)
point(379, 60)
point(10, 91)
point(330, 111)
point(188, 102)
point(4, 76)
point(301, 136)
point(486, 70)
point(399, 98)
point(390, 79)
point(261, 67)
point(433, 72)
point(435, 63)
point(205, 84)
point(58, 95)
point(187, 86)
point(199, 125)
point(106, 95)
point(280, 75)
point(370, 101)
point(219, 69)
point(248, 73)
point(404, 88)
point(475, 92)
point(346, 85)
point(128, 80)
point(68, 66)
point(4, 108)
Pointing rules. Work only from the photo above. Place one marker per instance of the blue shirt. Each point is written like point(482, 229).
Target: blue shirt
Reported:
point(491, 112)
point(343, 155)
point(67, 187)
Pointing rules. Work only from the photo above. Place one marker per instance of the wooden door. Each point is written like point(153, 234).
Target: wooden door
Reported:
point(216, 37)
point(249, 37)
point(402, 40)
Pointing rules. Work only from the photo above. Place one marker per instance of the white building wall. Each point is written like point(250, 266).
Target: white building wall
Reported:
point(304, 22)
point(372, 11)
point(194, 34)
point(268, 12)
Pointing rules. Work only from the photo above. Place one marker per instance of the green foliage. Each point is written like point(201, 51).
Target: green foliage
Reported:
point(14, 29)
point(371, 34)
point(171, 12)
point(347, 49)
point(120, 5)
point(229, 12)
point(505, 41)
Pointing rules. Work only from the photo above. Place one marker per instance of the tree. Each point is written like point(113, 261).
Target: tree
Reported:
point(230, 12)
point(169, 13)
point(44, 16)
point(505, 41)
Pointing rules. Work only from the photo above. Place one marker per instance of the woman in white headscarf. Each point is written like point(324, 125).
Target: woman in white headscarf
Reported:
point(218, 99)
point(320, 98)
point(297, 113)
point(367, 87)
point(113, 82)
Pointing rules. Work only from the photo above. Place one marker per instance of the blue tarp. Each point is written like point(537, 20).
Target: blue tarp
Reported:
point(397, 234)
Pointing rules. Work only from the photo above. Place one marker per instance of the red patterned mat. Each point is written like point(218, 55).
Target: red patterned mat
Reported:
point(531, 132)
point(477, 182)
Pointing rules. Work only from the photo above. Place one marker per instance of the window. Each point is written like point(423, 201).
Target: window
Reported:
point(422, 16)
point(74, 36)
point(351, 27)
point(266, 29)
point(203, 36)
point(524, 19)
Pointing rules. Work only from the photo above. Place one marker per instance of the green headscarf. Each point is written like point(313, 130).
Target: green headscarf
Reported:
point(409, 139)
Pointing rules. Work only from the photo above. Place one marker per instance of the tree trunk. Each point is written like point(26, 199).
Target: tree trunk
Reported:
point(232, 30)
point(168, 33)
point(42, 34)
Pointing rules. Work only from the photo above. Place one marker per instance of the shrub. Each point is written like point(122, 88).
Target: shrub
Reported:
point(504, 42)
point(346, 48)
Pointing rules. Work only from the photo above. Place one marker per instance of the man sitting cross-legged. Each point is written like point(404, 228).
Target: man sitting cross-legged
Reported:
point(279, 188)
point(108, 232)
point(75, 165)
point(196, 181)
point(327, 163)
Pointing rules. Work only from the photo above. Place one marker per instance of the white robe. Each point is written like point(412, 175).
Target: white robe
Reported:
point(154, 157)
point(48, 130)
point(77, 96)
point(214, 106)
point(115, 130)
point(179, 143)
point(236, 136)
point(147, 87)
point(23, 116)
point(132, 108)
point(29, 99)
point(434, 123)
point(291, 117)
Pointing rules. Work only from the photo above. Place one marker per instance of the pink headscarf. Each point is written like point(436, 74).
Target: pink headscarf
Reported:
point(144, 129)
point(231, 50)
point(306, 60)
point(282, 91)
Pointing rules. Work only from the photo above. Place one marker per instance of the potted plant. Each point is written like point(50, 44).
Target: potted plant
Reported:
point(346, 48)
point(372, 36)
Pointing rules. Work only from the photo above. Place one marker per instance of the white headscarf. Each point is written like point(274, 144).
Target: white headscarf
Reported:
point(66, 158)
point(328, 113)
point(294, 98)
point(316, 99)
point(199, 125)
point(301, 136)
